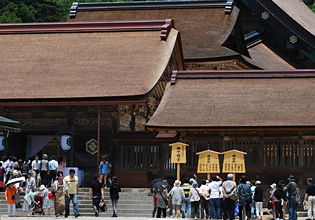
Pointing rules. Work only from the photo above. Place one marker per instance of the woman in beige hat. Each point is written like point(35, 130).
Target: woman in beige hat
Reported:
point(177, 194)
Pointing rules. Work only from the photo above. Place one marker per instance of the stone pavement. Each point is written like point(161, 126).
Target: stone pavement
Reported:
point(5, 217)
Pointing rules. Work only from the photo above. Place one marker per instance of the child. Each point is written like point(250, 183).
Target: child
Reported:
point(9, 196)
point(114, 194)
point(46, 203)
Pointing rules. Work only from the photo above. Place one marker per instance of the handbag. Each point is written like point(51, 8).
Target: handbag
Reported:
point(272, 202)
point(236, 209)
point(165, 200)
point(103, 206)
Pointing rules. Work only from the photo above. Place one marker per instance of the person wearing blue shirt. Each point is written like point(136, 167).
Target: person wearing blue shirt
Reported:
point(104, 170)
point(53, 167)
point(245, 197)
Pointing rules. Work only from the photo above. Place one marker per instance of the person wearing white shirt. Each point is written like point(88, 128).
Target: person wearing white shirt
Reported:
point(214, 189)
point(204, 198)
point(36, 166)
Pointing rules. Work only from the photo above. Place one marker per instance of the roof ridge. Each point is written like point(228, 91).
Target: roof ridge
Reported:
point(61, 27)
point(232, 74)
point(150, 5)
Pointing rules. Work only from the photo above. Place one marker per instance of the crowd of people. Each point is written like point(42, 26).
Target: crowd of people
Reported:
point(43, 172)
point(218, 199)
point(47, 176)
point(215, 198)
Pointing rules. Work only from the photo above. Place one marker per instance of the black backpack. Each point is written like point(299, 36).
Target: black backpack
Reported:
point(25, 169)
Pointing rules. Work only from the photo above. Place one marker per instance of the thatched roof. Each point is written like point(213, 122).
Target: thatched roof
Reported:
point(204, 25)
point(269, 57)
point(237, 100)
point(88, 60)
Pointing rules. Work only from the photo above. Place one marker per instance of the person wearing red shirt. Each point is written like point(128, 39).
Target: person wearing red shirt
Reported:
point(9, 196)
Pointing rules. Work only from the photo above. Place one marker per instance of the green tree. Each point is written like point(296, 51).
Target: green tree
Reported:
point(31, 11)
point(310, 4)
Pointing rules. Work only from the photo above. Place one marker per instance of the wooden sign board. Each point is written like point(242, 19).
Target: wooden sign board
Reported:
point(208, 162)
point(234, 162)
point(178, 152)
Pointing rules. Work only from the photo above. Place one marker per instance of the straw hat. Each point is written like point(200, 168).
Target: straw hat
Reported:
point(177, 183)
point(273, 186)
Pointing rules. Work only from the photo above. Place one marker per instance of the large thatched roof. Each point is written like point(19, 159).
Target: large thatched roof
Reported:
point(237, 100)
point(83, 61)
point(204, 25)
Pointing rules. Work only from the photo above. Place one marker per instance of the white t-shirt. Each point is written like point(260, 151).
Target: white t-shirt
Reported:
point(204, 190)
point(36, 164)
point(214, 188)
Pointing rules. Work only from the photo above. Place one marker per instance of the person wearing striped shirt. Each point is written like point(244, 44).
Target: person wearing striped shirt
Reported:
point(186, 205)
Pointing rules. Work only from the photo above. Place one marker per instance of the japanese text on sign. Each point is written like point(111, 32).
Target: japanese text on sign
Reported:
point(208, 162)
point(233, 162)
point(178, 153)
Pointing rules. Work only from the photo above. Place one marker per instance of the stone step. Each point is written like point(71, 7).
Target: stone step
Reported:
point(132, 203)
point(107, 214)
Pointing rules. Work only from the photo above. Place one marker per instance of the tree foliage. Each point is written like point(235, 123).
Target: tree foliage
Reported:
point(310, 4)
point(15, 11)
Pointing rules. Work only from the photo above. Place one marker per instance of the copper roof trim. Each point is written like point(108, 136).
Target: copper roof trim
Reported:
point(301, 73)
point(150, 5)
point(59, 27)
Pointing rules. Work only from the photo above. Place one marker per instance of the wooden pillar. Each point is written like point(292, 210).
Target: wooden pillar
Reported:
point(178, 171)
point(98, 136)
point(208, 176)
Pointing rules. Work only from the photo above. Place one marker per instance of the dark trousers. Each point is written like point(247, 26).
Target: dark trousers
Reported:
point(96, 204)
point(158, 215)
point(43, 177)
point(228, 207)
point(52, 176)
point(204, 207)
point(247, 211)
point(215, 208)
point(154, 209)
point(292, 208)
point(278, 208)
point(195, 209)
point(8, 177)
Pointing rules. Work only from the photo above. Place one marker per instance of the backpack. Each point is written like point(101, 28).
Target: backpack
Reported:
point(248, 196)
point(25, 169)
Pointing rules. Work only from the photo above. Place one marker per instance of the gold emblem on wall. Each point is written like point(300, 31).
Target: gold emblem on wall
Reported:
point(91, 146)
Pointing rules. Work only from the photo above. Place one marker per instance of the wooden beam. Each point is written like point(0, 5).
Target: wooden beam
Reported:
point(71, 103)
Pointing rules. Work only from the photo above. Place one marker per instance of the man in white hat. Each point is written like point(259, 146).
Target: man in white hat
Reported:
point(229, 188)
